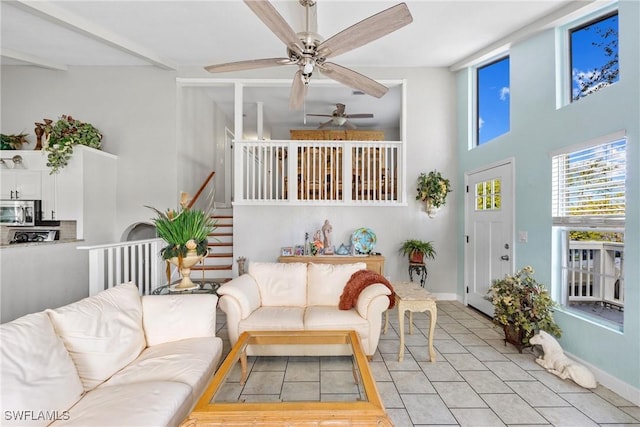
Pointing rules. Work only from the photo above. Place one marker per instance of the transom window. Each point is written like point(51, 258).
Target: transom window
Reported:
point(594, 55)
point(493, 100)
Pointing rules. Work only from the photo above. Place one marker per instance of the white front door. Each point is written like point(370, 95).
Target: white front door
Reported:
point(489, 231)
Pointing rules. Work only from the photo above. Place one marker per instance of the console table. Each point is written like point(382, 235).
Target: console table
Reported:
point(374, 263)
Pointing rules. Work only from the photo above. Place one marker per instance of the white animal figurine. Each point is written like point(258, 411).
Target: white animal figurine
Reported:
point(555, 361)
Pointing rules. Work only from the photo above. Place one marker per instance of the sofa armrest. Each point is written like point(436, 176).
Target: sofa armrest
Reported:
point(367, 304)
point(167, 318)
point(244, 292)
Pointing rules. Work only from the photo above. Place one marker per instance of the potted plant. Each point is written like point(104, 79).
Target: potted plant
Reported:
point(61, 136)
point(187, 232)
point(417, 250)
point(433, 189)
point(13, 142)
point(522, 307)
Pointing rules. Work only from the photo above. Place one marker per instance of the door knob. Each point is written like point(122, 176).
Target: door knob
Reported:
point(505, 257)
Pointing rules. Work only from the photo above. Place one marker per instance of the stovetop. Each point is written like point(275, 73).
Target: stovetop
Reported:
point(27, 236)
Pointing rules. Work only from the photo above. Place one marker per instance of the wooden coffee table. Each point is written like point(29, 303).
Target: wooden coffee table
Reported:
point(213, 409)
point(412, 297)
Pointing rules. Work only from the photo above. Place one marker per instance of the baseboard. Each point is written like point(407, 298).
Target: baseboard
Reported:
point(445, 296)
point(627, 391)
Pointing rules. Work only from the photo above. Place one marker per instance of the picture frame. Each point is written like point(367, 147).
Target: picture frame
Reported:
point(299, 250)
point(286, 251)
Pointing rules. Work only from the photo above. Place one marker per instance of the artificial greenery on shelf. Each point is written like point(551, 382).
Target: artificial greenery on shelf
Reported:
point(61, 136)
point(13, 142)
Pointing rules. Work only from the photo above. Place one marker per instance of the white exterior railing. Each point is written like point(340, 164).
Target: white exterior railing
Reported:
point(594, 272)
point(334, 172)
point(138, 261)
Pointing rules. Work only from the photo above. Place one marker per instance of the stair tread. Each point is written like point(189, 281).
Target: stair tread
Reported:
point(212, 267)
point(224, 255)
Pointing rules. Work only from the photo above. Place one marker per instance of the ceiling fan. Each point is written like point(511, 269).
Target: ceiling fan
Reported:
point(309, 51)
point(340, 118)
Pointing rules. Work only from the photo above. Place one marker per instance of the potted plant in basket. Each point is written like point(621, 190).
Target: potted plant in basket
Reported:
point(522, 307)
point(433, 189)
point(417, 250)
point(187, 232)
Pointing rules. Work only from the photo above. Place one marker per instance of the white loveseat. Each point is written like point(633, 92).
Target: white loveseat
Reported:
point(113, 359)
point(300, 296)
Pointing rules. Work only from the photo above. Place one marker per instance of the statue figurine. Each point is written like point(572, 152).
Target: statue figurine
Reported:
point(241, 260)
point(327, 229)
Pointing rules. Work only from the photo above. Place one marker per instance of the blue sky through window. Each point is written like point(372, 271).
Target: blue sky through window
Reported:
point(493, 100)
point(594, 56)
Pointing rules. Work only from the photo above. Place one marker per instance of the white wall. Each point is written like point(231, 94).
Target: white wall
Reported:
point(134, 108)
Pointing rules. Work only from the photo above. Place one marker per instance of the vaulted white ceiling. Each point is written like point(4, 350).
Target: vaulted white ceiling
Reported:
point(180, 34)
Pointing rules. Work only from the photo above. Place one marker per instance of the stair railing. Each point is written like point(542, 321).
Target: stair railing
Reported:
point(135, 261)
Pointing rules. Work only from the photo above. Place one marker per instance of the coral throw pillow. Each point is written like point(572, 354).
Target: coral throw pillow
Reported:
point(357, 282)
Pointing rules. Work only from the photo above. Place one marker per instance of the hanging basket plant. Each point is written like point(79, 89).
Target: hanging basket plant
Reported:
point(63, 135)
point(433, 189)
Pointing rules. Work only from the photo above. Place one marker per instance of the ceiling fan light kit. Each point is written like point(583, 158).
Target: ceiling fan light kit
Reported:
point(309, 51)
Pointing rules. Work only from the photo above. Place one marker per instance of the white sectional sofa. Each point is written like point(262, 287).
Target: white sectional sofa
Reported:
point(300, 296)
point(113, 359)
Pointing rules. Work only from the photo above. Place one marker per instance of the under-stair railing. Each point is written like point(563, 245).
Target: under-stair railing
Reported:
point(331, 172)
point(135, 261)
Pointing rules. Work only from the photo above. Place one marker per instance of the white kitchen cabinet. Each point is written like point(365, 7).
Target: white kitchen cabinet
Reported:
point(21, 184)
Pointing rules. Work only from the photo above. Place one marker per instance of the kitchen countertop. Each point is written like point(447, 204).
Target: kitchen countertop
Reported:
point(26, 244)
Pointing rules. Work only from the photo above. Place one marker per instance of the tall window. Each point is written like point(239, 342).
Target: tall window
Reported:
point(493, 98)
point(589, 215)
point(594, 55)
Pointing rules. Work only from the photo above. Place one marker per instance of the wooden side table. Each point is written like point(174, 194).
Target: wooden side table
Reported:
point(413, 298)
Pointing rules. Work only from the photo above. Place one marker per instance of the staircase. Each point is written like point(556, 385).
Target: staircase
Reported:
point(218, 265)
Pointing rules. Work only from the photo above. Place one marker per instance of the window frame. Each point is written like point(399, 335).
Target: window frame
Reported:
point(561, 227)
point(564, 70)
point(476, 97)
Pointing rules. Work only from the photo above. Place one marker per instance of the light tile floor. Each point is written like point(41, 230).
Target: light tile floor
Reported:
point(476, 380)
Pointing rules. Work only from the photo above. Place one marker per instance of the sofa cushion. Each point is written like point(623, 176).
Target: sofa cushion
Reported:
point(281, 284)
point(326, 281)
point(152, 403)
point(332, 318)
point(103, 333)
point(191, 361)
point(37, 373)
point(165, 316)
point(274, 319)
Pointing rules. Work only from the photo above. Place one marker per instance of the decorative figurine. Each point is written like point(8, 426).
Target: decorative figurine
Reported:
point(327, 229)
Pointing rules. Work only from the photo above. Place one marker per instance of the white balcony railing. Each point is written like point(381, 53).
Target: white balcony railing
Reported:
point(335, 172)
point(594, 272)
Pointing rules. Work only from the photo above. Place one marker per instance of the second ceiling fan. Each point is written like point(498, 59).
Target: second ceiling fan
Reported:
point(339, 117)
point(310, 52)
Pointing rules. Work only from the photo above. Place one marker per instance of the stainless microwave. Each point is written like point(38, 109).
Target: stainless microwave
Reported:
point(19, 212)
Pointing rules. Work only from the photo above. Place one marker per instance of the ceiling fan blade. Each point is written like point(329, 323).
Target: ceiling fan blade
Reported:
point(325, 124)
point(298, 92)
point(320, 115)
point(359, 116)
point(353, 79)
point(366, 31)
point(276, 23)
point(350, 125)
point(247, 65)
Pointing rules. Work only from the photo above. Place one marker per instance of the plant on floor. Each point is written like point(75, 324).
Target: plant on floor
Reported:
point(417, 250)
point(61, 136)
point(522, 306)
